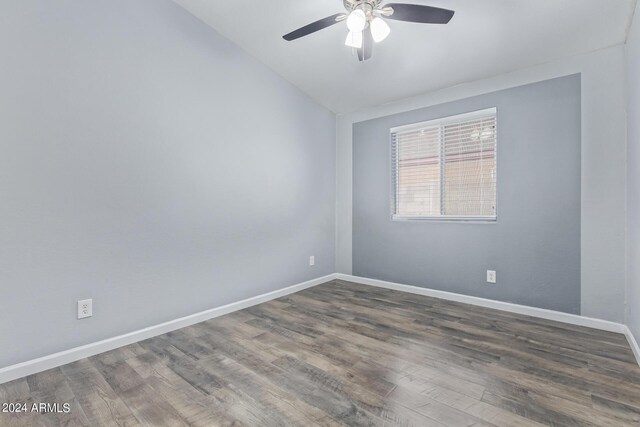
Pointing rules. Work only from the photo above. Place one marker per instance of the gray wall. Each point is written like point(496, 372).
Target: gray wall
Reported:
point(534, 245)
point(633, 179)
point(147, 163)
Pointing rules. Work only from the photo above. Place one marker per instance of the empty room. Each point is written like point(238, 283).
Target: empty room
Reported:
point(320, 213)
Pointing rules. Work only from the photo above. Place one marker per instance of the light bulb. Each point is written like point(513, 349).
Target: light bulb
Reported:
point(379, 29)
point(354, 39)
point(357, 20)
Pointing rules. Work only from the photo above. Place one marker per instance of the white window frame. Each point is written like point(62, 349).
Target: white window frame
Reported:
point(433, 123)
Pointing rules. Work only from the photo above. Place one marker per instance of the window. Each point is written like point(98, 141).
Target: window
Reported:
point(445, 168)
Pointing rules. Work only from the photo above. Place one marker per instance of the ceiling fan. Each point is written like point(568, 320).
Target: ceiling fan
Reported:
point(366, 24)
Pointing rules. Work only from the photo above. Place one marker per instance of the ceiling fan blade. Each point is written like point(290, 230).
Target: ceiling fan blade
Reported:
point(365, 51)
point(419, 13)
point(314, 26)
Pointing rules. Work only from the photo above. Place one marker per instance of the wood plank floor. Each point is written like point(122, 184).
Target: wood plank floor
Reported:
point(348, 354)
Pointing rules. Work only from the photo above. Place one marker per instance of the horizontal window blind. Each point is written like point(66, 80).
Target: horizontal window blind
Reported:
point(445, 168)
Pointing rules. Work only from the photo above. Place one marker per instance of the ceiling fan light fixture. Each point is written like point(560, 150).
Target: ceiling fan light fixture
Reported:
point(373, 14)
point(357, 20)
point(354, 39)
point(379, 29)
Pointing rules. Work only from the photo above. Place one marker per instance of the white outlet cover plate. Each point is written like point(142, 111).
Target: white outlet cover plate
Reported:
point(491, 276)
point(312, 260)
point(85, 308)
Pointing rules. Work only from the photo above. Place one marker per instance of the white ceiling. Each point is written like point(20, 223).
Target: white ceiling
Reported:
point(484, 38)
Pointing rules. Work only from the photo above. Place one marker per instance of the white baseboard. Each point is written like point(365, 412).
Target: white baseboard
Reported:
point(542, 313)
point(58, 359)
point(30, 367)
point(558, 316)
point(633, 343)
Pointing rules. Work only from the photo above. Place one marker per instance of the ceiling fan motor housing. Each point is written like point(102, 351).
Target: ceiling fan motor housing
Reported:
point(368, 6)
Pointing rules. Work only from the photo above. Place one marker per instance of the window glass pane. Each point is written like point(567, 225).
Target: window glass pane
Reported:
point(418, 179)
point(469, 168)
point(469, 190)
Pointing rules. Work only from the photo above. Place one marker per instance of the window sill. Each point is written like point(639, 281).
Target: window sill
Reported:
point(472, 220)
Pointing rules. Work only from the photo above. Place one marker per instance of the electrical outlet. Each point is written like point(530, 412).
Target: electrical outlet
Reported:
point(491, 276)
point(85, 308)
point(312, 260)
